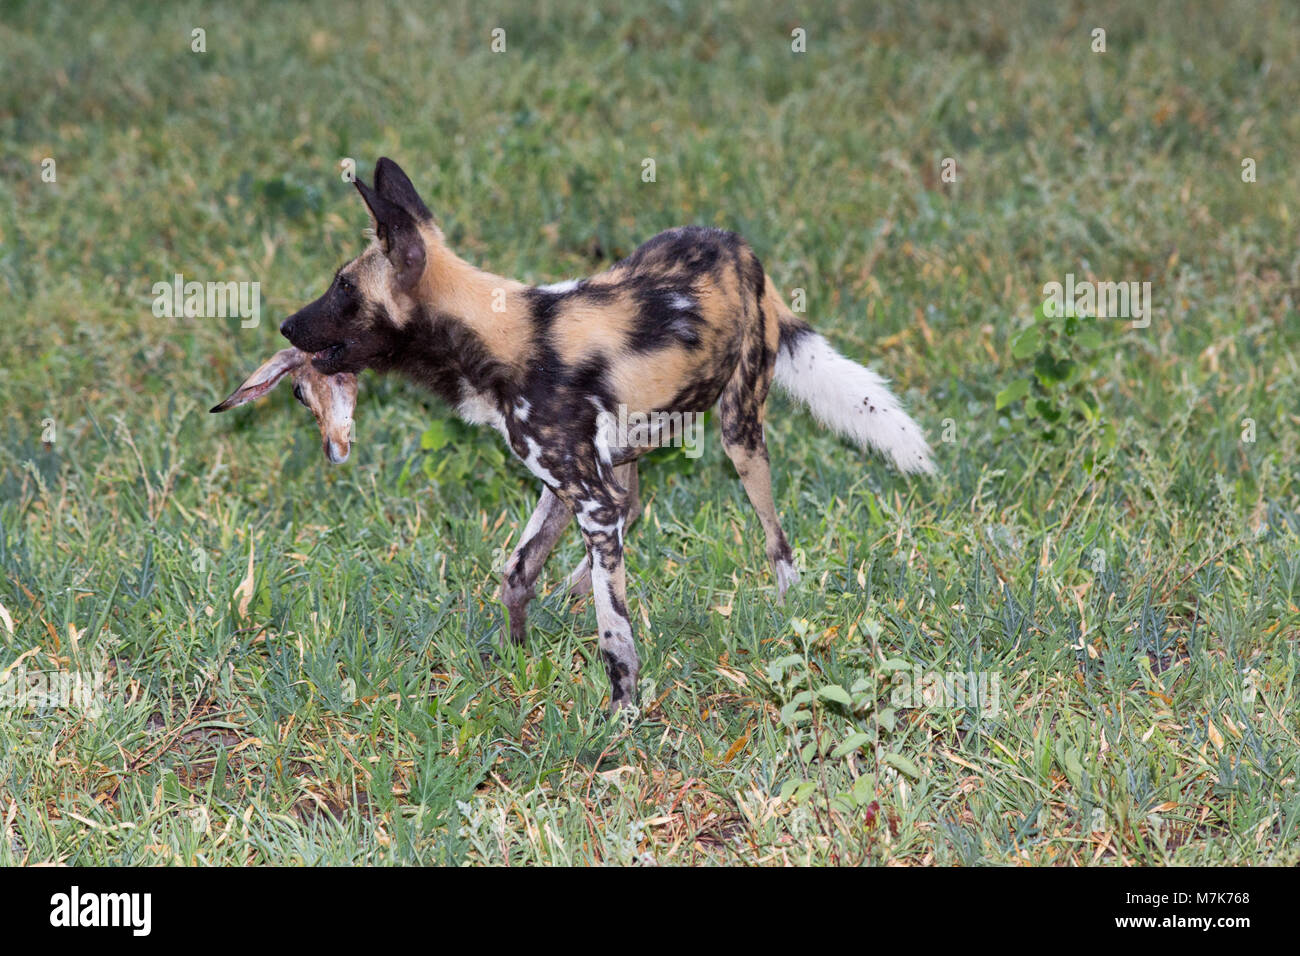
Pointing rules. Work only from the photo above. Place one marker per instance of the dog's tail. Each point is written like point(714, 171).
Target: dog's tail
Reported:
point(843, 395)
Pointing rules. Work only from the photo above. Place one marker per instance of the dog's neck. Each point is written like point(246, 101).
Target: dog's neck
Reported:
point(482, 300)
point(465, 335)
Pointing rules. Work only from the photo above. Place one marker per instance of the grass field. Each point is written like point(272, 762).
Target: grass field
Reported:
point(289, 655)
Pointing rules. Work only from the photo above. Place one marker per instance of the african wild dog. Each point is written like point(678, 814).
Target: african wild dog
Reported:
point(688, 320)
point(331, 398)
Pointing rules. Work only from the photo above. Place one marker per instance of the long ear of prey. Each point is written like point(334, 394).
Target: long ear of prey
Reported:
point(264, 379)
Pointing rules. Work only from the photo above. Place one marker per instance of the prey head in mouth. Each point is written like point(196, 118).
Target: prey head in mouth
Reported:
point(332, 399)
point(330, 361)
point(357, 323)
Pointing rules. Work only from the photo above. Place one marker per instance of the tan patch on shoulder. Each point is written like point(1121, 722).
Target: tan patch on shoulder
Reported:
point(508, 334)
point(489, 304)
point(584, 329)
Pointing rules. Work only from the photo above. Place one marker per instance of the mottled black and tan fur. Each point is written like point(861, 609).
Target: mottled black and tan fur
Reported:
point(690, 320)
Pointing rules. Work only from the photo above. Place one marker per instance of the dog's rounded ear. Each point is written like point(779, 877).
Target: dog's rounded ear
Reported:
point(398, 233)
point(264, 379)
point(395, 186)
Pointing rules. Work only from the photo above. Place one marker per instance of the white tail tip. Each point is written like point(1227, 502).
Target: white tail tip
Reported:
point(852, 400)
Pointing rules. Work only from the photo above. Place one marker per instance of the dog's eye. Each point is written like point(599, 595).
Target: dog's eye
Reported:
point(297, 393)
point(345, 283)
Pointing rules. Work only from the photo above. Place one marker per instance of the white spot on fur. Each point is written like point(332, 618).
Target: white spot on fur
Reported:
point(477, 409)
point(683, 303)
point(534, 464)
point(559, 288)
point(683, 327)
point(523, 408)
point(587, 522)
point(606, 430)
point(852, 400)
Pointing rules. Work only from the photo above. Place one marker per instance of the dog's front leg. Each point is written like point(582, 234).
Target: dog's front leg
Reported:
point(579, 579)
point(601, 513)
point(544, 528)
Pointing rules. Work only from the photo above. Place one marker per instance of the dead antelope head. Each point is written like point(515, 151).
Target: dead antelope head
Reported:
point(331, 398)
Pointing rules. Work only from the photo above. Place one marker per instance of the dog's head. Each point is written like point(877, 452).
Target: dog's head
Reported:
point(356, 323)
point(331, 398)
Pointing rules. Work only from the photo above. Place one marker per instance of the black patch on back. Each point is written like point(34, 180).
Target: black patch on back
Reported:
point(542, 306)
point(667, 266)
point(660, 321)
point(693, 249)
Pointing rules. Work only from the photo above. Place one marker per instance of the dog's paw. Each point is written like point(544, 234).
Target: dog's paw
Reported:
point(786, 578)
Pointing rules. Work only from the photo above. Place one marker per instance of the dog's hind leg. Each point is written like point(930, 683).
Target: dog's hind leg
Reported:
point(579, 580)
point(756, 475)
point(544, 528)
point(741, 415)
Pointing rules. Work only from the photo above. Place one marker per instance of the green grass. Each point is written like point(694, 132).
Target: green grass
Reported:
point(1136, 607)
